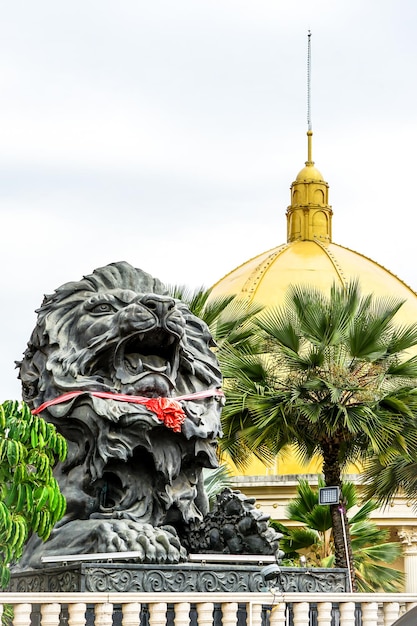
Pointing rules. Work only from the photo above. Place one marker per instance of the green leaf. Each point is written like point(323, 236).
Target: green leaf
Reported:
point(26, 480)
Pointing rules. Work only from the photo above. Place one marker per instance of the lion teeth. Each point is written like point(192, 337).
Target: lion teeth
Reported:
point(134, 362)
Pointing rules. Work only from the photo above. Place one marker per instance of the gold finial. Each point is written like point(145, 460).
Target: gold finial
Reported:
point(309, 216)
point(309, 126)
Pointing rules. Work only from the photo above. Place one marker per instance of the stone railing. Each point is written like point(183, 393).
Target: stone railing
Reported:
point(206, 609)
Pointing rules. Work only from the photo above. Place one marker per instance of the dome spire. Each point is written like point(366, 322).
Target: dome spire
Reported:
point(309, 215)
point(309, 125)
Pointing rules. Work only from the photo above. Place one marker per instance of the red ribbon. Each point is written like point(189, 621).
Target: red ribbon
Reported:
point(168, 410)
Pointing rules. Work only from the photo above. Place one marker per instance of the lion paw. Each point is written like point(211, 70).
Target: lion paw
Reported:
point(154, 545)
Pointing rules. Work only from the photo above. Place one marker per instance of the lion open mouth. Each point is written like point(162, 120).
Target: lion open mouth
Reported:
point(147, 363)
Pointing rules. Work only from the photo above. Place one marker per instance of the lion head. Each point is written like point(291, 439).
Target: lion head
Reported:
point(117, 333)
point(116, 330)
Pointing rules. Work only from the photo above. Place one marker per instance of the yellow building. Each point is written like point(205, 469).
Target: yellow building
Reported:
point(311, 257)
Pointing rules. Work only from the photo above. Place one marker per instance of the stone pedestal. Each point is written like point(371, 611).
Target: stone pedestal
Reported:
point(192, 577)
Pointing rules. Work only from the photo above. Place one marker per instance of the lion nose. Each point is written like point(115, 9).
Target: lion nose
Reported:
point(160, 305)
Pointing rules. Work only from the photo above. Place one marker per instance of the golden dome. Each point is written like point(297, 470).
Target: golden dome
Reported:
point(310, 257)
point(266, 278)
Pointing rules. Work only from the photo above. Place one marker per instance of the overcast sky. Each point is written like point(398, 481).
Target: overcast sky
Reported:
point(167, 134)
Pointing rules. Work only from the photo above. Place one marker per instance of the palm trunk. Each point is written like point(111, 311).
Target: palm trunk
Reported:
point(340, 524)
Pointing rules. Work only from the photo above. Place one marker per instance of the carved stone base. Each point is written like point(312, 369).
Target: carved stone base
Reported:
point(209, 577)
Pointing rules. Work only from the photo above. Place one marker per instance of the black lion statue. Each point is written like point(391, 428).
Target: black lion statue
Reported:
point(128, 375)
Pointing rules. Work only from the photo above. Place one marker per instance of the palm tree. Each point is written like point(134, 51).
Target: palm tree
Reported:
point(333, 381)
point(314, 540)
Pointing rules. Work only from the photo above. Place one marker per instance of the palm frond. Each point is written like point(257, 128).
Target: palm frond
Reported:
point(403, 338)
point(373, 577)
point(365, 533)
point(363, 513)
point(299, 539)
point(194, 298)
point(215, 480)
point(383, 481)
point(279, 324)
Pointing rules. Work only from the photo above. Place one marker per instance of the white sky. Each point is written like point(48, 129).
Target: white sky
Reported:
point(167, 134)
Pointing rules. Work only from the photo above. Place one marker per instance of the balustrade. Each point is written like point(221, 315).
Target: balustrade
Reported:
point(206, 609)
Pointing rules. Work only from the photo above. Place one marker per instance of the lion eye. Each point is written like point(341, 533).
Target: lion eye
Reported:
point(103, 307)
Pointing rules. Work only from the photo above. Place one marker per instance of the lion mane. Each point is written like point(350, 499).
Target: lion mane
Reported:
point(129, 479)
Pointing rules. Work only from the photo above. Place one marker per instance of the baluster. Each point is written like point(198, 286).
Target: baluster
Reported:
point(157, 614)
point(76, 614)
point(277, 617)
point(347, 614)
point(391, 612)
point(255, 617)
point(301, 612)
point(131, 614)
point(103, 614)
point(369, 614)
point(22, 614)
point(182, 614)
point(1, 611)
point(50, 614)
point(229, 613)
point(205, 613)
point(324, 613)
